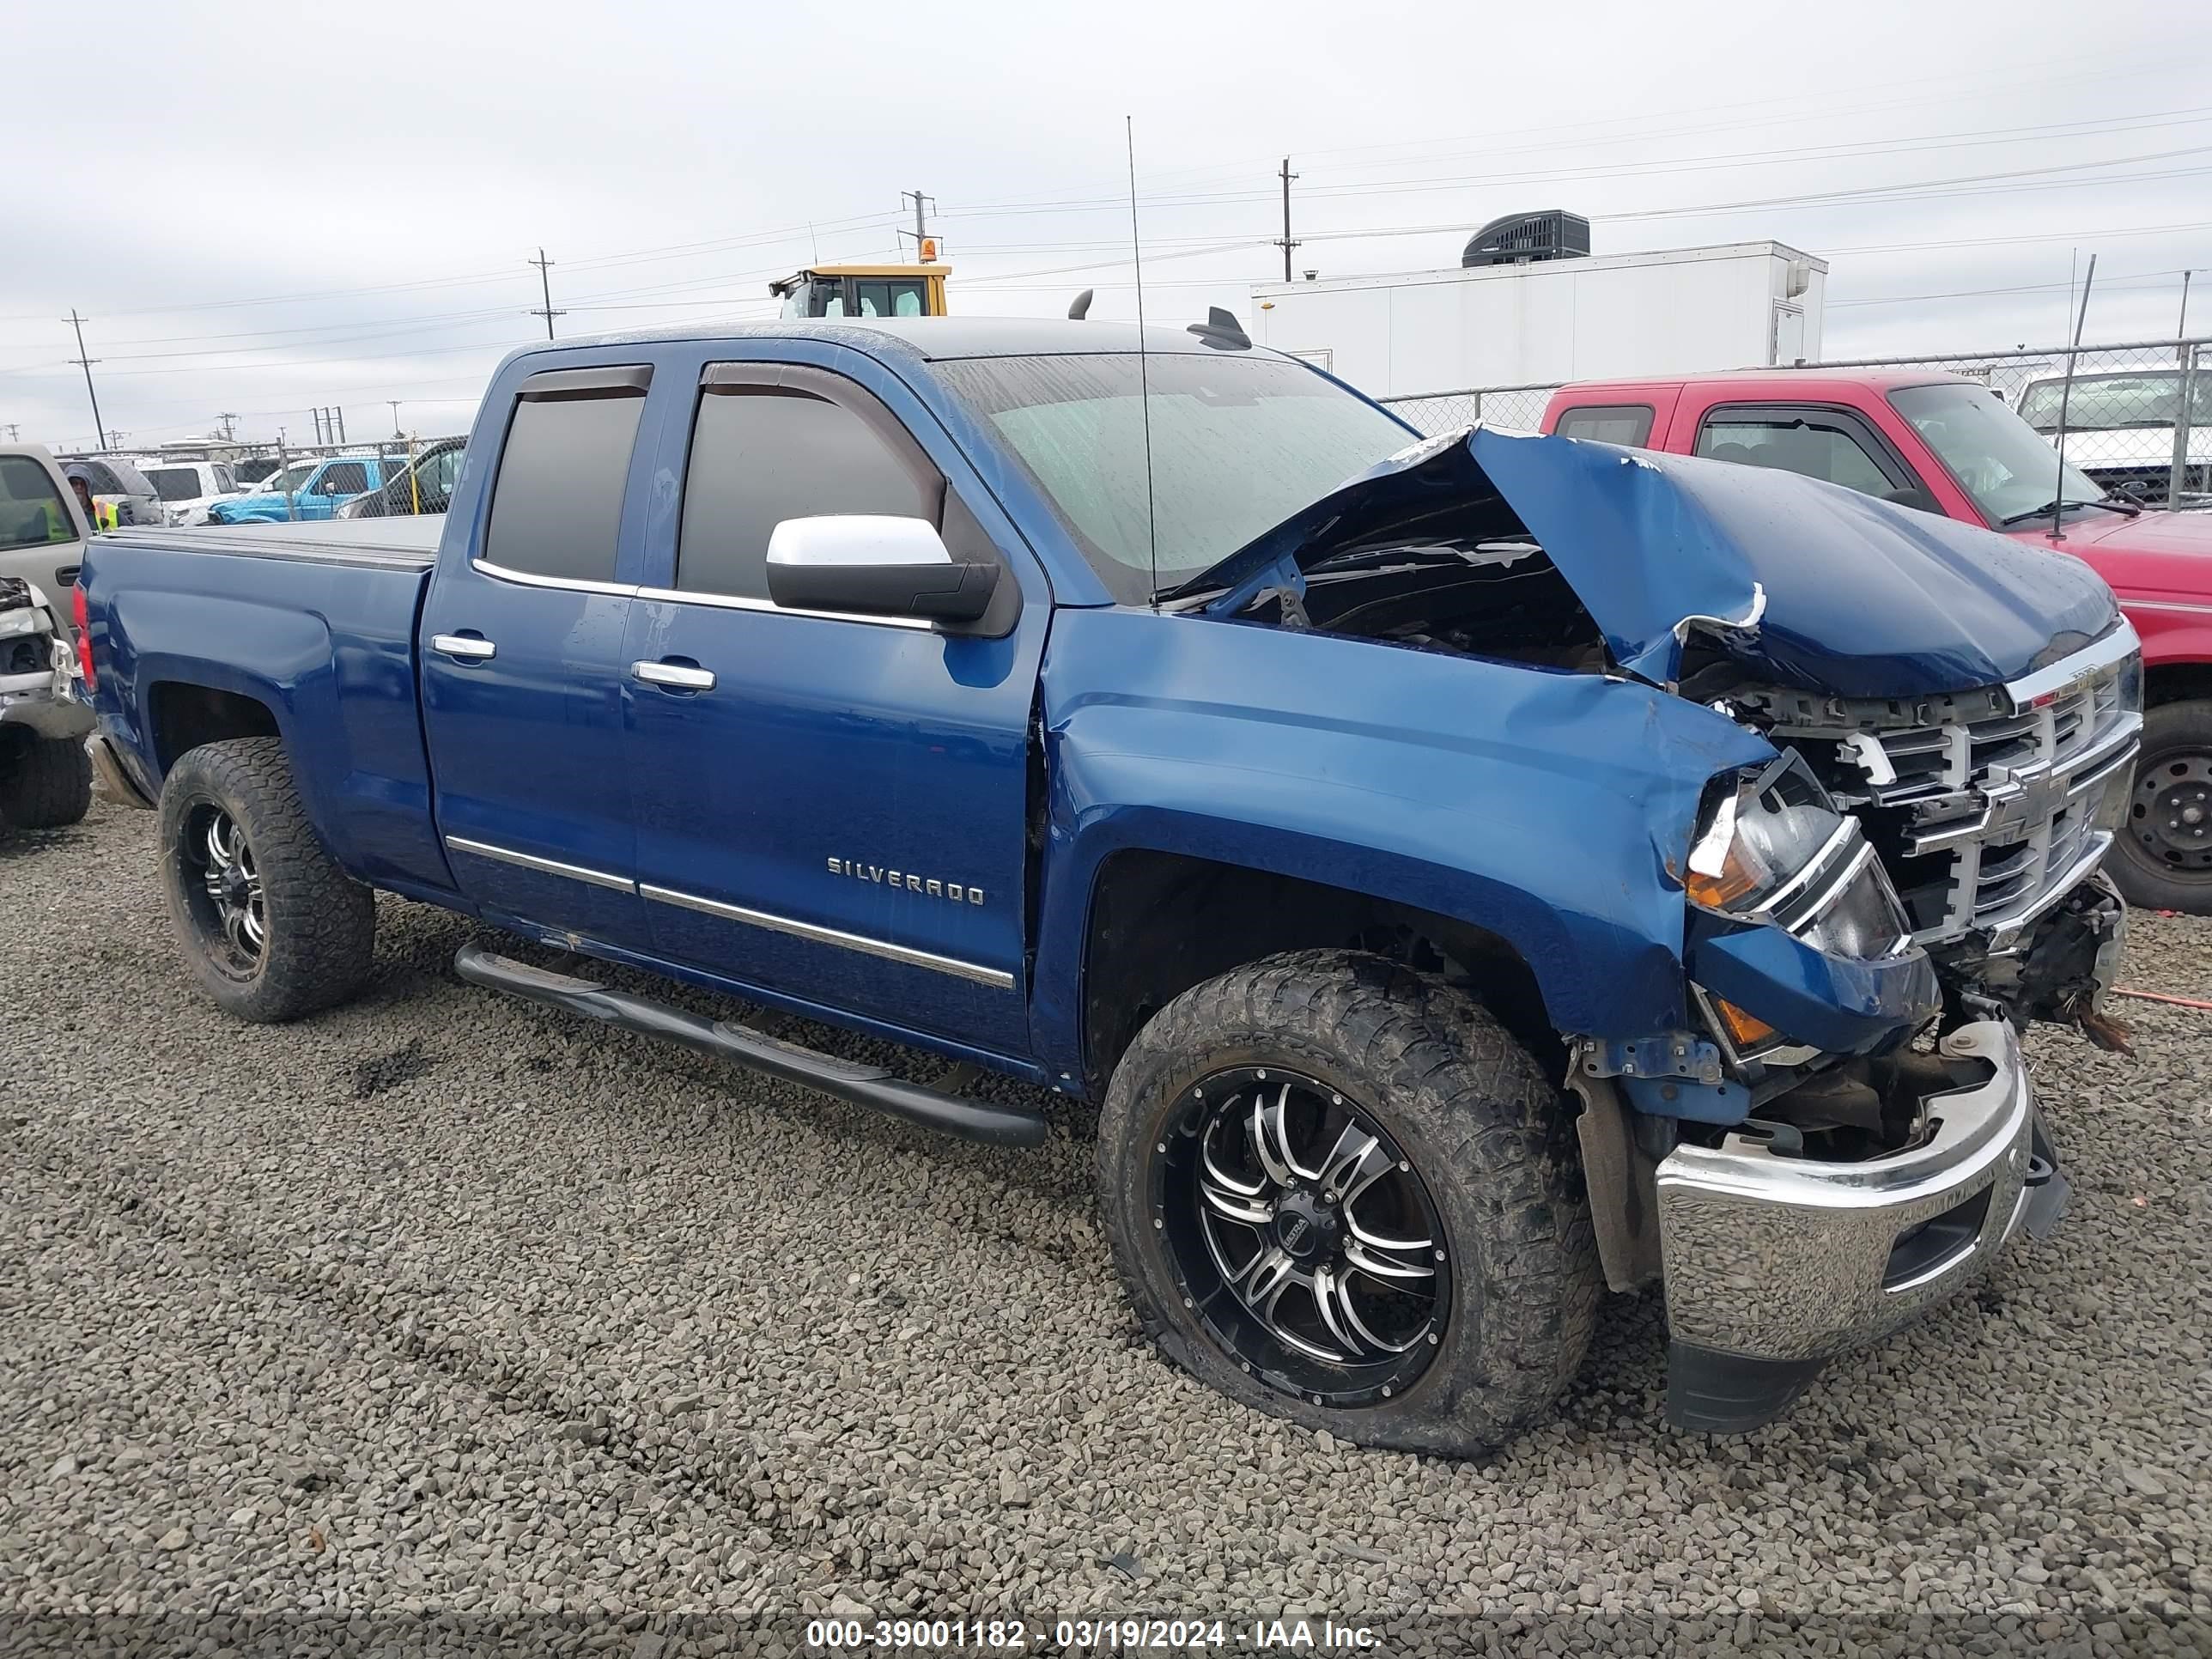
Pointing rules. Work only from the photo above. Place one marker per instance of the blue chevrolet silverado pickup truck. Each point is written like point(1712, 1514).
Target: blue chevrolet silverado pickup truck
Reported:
point(1468, 873)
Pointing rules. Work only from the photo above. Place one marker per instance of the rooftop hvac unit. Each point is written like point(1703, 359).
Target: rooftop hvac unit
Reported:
point(1519, 238)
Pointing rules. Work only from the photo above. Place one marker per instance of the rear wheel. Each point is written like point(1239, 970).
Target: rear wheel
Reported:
point(269, 924)
point(2163, 857)
point(46, 784)
point(1342, 1195)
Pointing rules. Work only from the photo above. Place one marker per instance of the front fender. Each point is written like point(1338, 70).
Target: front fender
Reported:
point(1546, 807)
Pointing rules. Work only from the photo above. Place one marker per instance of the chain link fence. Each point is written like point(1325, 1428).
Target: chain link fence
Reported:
point(2138, 416)
point(386, 477)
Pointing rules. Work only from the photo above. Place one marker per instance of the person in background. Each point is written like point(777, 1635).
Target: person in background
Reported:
point(99, 517)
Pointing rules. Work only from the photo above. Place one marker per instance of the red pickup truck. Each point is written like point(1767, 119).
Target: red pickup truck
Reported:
point(1948, 446)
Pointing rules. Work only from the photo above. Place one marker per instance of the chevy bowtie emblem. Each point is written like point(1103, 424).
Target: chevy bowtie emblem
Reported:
point(927, 886)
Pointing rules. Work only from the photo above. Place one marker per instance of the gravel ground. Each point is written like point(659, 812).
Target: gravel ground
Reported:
point(445, 1314)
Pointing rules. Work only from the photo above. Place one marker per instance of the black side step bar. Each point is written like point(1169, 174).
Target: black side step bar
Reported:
point(864, 1085)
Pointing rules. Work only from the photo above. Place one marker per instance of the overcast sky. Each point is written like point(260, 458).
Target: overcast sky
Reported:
point(260, 215)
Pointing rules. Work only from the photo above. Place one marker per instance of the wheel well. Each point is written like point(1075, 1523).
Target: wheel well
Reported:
point(184, 717)
point(1162, 922)
point(2176, 683)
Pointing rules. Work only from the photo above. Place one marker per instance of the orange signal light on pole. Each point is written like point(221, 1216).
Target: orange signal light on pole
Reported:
point(929, 250)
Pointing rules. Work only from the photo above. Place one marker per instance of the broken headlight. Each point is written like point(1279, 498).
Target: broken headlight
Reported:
point(1775, 849)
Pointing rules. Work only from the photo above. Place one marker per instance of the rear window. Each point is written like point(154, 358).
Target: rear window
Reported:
point(556, 504)
point(760, 456)
point(31, 509)
point(175, 483)
point(1609, 423)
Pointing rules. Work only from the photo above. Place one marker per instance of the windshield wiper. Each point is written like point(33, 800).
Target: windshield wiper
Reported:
point(2116, 503)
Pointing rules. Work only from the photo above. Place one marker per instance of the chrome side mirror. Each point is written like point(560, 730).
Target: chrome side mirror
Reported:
point(875, 566)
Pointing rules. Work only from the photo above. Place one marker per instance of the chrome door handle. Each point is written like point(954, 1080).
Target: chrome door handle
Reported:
point(461, 646)
point(669, 674)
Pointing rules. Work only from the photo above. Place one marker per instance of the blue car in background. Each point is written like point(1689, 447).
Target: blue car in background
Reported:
point(311, 489)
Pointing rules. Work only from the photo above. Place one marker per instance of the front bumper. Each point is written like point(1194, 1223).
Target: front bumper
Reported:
point(1773, 1265)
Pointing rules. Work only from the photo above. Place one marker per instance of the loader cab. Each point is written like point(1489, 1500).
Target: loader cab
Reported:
point(863, 291)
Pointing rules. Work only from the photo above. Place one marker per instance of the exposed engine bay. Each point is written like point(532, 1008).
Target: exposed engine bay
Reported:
point(1989, 809)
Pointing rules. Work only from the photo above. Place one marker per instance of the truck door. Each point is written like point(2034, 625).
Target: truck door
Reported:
point(830, 807)
point(522, 668)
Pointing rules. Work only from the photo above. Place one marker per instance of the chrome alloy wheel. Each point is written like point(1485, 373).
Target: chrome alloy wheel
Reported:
point(222, 887)
point(1303, 1236)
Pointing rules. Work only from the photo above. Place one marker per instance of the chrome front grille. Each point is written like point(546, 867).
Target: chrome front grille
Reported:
point(1989, 806)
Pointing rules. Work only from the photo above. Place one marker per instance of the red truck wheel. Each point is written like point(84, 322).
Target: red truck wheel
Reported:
point(2163, 857)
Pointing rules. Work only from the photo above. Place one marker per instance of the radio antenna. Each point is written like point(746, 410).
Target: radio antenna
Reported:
point(2065, 396)
point(1144, 381)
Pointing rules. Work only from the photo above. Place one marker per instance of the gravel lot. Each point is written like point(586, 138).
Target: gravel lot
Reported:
point(443, 1302)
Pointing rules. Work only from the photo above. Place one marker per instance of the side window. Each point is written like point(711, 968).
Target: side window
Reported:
point(225, 481)
point(443, 470)
point(1629, 424)
point(343, 478)
point(102, 479)
point(1802, 443)
point(878, 297)
point(556, 503)
point(761, 454)
point(31, 510)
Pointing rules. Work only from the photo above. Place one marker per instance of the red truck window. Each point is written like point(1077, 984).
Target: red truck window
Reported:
point(1816, 443)
point(1609, 423)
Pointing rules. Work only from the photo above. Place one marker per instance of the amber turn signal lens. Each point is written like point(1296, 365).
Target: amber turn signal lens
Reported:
point(1719, 892)
point(1745, 1031)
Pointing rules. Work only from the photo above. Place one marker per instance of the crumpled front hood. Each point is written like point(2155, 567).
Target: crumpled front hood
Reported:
point(1804, 583)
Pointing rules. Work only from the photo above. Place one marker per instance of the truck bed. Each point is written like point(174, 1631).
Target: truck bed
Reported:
point(308, 626)
point(408, 543)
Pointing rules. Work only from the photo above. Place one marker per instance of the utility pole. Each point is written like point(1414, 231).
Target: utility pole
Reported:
point(921, 231)
point(15, 432)
point(545, 288)
point(85, 364)
point(338, 412)
point(229, 419)
point(317, 414)
point(1285, 243)
point(396, 432)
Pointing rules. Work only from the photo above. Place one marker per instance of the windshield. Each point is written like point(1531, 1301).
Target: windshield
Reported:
point(175, 483)
point(291, 477)
point(1994, 454)
point(2112, 403)
point(1238, 444)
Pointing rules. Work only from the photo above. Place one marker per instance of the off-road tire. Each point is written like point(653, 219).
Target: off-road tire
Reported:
point(320, 923)
point(46, 784)
point(2172, 731)
point(1491, 1137)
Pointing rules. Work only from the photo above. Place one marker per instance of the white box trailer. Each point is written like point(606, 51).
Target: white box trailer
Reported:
point(1553, 320)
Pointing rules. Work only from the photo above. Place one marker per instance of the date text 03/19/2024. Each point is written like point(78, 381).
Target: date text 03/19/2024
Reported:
point(925, 1635)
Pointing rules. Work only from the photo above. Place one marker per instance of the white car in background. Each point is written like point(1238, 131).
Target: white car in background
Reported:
point(2120, 428)
point(188, 489)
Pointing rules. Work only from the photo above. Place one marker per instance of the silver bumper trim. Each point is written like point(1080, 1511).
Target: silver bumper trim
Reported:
point(1784, 1258)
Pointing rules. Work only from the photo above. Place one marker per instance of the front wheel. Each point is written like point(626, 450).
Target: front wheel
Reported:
point(269, 924)
point(2162, 856)
point(1340, 1193)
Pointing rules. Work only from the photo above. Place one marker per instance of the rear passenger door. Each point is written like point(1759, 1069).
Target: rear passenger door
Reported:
point(832, 808)
point(522, 668)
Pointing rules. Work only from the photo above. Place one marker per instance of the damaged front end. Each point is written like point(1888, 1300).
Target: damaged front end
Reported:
point(1843, 1131)
point(37, 669)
